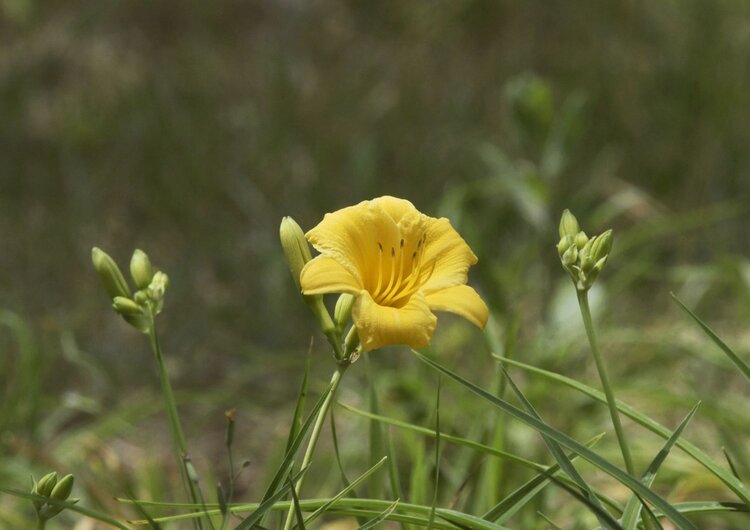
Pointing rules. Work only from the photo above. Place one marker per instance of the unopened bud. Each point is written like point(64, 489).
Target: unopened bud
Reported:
point(141, 269)
point(109, 273)
point(43, 488)
point(570, 257)
point(603, 245)
point(568, 224)
point(581, 239)
point(296, 248)
point(343, 310)
point(564, 245)
point(125, 306)
point(158, 286)
point(63, 488)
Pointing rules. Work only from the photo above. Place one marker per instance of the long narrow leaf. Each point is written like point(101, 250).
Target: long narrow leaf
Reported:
point(539, 468)
point(299, 408)
point(437, 455)
point(364, 476)
point(633, 507)
point(605, 518)
point(510, 505)
point(254, 518)
point(285, 466)
point(565, 440)
point(729, 352)
point(732, 482)
point(372, 523)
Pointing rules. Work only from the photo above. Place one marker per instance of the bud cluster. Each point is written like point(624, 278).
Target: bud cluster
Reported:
point(138, 308)
point(50, 487)
point(581, 256)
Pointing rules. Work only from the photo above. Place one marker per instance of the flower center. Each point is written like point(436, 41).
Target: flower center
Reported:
point(401, 272)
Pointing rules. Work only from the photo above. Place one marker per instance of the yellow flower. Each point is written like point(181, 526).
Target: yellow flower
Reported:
point(400, 264)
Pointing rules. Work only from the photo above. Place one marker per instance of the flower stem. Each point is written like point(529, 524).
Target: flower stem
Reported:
point(583, 303)
point(41, 523)
point(317, 426)
point(178, 438)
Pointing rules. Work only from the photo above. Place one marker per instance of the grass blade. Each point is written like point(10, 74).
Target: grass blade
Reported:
point(605, 518)
point(297, 510)
point(563, 439)
point(732, 482)
point(364, 476)
point(299, 408)
point(633, 507)
point(510, 505)
point(539, 468)
point(437, 455)
point(286, 464)
point(372, 523)
point(736, 359)
point(254, 518)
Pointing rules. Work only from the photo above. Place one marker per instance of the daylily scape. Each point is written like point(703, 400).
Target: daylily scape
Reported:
point(400, 264)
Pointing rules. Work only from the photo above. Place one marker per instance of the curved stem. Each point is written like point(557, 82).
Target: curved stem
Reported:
point(315, 434)
point(583, 302)
point(178, 438)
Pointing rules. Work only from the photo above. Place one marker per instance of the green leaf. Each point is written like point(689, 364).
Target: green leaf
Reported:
point(510, 505)
point(372, 523)
point(437, 456)
point(738, 362)
point(565, 440)
point(320, 511)
point(736, 485)
point(297, 510)
point(633, 507)
point(605, 518)
point(286, 464)
point(539, 468)
point(254, 518)
point(299, 408)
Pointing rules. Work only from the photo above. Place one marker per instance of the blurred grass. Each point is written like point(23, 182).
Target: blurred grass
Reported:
point(190, 131)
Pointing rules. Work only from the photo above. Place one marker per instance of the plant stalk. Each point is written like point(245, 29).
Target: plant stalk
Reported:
point(178, 438)
point(583, 303)
point(315, 434)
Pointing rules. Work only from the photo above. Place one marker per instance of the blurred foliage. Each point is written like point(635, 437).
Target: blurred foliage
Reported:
point(190, 130)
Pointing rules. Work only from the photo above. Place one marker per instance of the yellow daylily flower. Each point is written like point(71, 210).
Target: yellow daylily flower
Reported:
point(400, 264)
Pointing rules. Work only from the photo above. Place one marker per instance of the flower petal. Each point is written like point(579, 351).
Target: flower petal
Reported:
point(351, 236)
point(412, 324)
point(324, 274)
point(448, 253)
point(461, 300)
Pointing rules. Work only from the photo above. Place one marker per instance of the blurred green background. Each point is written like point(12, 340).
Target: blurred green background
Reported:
point(189, 129)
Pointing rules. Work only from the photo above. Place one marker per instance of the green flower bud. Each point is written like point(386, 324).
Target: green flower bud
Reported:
point(581, 239)
point(296, 248)
point(125, 306)
point(63, 488)
point(140, 269)
point(564, 245)
point(343, 310)
point(570, 257)
point(603, 245)
point(568, 225)
point(109, 273)
point(46, 484)
point(140, 297)
point(158, 286)
point(44, 488)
